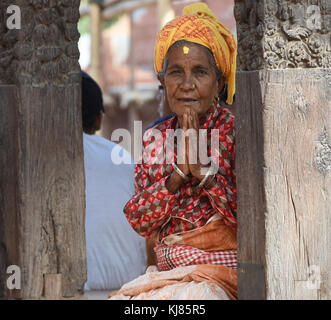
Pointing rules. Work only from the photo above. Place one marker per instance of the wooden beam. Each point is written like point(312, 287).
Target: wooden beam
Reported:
point(132, 54)
point(165, 14)
point(125, 7)
point(283, 132)
point(109, 3)
point(96, 41)
point(84, 10)
point(117, 8)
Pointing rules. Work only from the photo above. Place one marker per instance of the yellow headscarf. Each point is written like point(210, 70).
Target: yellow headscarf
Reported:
point(198, 24)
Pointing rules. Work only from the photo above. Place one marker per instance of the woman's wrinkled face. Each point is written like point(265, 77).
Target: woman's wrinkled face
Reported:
point(190, 80)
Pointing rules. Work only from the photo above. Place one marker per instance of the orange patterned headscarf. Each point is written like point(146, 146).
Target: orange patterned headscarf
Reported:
point(199, 25)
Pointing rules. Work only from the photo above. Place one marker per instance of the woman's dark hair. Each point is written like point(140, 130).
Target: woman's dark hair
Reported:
point(223, 94)
point(92, 102)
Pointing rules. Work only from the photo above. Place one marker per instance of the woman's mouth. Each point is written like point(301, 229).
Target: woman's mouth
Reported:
point(187, 101)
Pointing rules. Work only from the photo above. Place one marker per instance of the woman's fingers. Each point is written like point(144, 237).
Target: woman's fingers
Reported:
point(192, 119)
point(190, 138)
point(181, 147)
point(185, 121)
point(196, 121)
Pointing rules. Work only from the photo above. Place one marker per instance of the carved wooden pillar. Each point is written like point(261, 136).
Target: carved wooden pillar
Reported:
point(96, 39)
point(41, 157)
point(283, 127)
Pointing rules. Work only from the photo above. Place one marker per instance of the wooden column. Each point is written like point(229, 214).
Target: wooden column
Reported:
point(283, 130)
point(132, 54)
point(132, 113)
point(42, 196)
point(165, 12)
point(96, 42)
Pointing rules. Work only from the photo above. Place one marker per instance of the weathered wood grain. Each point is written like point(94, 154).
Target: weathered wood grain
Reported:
point(52, 187)
point(283, 149)
point(251, 197)
point(53, 286)
point(297, 182)
point(42, 185)
point(10, 235)
point(283, 167)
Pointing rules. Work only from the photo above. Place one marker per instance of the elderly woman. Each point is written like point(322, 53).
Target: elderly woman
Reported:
point(188, 209)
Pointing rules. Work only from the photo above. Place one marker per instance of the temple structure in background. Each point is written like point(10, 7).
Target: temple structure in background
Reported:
point(126, 57)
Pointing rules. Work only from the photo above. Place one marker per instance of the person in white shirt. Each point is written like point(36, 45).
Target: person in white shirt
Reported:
point(115, 253)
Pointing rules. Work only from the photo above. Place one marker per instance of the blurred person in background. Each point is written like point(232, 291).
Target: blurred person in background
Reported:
point(115, 253)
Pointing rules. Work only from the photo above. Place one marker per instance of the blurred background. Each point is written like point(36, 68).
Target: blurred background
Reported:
point(117, 49)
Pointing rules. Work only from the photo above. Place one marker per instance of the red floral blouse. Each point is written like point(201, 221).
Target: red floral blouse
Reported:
point(154, 212)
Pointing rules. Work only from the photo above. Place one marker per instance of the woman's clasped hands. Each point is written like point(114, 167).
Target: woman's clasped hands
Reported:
point(188, 160)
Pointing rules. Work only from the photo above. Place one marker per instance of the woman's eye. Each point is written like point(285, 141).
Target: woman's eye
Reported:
point(201, 72)
point(175, 72)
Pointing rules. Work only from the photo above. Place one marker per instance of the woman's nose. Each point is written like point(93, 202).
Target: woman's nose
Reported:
point(188, 83)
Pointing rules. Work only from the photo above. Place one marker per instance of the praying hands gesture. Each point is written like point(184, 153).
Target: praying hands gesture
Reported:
point(188, 122)
point(188, 150)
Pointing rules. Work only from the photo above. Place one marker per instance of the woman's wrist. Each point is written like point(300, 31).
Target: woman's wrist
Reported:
point(174, 182)
point(180, 172)
point(199, 170)
point(207, 179)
